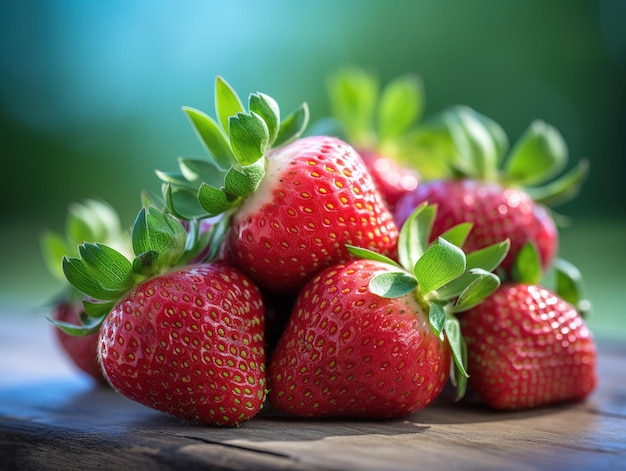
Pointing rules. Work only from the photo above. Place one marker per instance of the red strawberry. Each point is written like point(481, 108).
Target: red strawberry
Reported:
point(501, 204)
point(86, 222)
point(292, 204)
point(317, 197)
point(82, 351)
point(376, 122)
point(189, 343)
point(527, 347)
point(366, 338)
point(186, 340)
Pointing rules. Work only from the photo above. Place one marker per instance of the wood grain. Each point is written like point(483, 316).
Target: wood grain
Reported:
point(53, 418)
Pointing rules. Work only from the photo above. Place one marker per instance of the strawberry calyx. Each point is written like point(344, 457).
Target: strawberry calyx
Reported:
point(104, 275)
point(563, 277)
point(444, 279)
point(236, 142)
point(535, 163)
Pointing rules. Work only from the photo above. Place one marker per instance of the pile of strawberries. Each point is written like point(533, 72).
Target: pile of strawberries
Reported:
point(345, 273)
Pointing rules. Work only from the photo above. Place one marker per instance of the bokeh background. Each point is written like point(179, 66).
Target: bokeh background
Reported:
point(91, 96)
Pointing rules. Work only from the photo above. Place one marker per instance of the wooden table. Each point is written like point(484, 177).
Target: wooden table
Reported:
point(51, 417)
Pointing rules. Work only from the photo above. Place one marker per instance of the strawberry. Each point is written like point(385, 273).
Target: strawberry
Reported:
point(376, 122)
point(371, 338)
point(503, 203)
point(527, 346)
point(89, 221)
point(289, 204)
point(186, 340)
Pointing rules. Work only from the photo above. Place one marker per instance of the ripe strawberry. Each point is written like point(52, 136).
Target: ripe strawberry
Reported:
point(186, 340)
point(86, 222)
point(501, 204)
point(292, 204)
point(528, 347)
point(373, 339)
point(376, 122)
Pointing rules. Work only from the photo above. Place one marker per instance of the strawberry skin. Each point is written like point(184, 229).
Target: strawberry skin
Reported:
point(349, 353)
point(528, 348)
point(392, 180)
point(316, 197)
point(189, 343)
point(497, 213)
point(82, 351)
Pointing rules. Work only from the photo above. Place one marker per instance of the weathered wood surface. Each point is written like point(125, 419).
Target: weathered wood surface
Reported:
point(53, 418)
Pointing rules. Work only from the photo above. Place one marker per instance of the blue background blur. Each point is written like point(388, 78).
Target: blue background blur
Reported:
point(91, 96)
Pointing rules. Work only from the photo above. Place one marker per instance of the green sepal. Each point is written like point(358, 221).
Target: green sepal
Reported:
point(481, 143)
point(53, 248)
point(539, 154)
point(249, 137)
point(440, 264)
point(414, 235)
point(368, 254)
point(458, 234)
point(267, 108)
point(458, 347)
point(563, 189)
point(437, 317)
point(91, 326)
point(212, 137)
point(158, 241)
point(353, 96)
point(570, 286)
point(214, 200)
point(182, 202)
point(245, 180)
point(227, 102)
point(97, 309)
point(292, 126)
point(527, 265)
point(201, 170)
point(484, 283)
point(101, 272)
point(392, 284)
point(401, 104)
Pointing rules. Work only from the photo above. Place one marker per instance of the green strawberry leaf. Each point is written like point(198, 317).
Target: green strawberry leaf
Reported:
point(213, 200)
point(97, 309)
point(457, 235)
point(183, 202)
point(527, 265)
point(53, 248)
point(353, 97)
point(244, 180)
point(539, 154)
point(92, 326)
point(392, 284)
point(563, 189)
point(227, 103)
point(212, 137)
point(267, 108)
point(440, 264)
point(195, 171)
point(368, 254)
point(458, 347)
point(481, 287)
point(400, 105)
point(437, 318)
point(249, 137)
point(101, 272)
point(292, 126)
point(414, 235)
point(570, 285)
point(160, 234)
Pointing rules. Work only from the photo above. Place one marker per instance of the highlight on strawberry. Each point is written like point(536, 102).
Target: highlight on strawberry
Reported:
point(374, 338)
point(184, 339)
point(288, 204)
point(528, 345)
point(88, 221)
point(503, 198)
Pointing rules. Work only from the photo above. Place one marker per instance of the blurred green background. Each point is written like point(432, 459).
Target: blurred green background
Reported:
point(91, 96)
